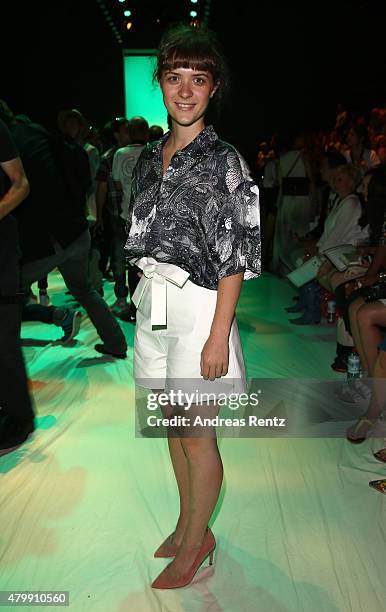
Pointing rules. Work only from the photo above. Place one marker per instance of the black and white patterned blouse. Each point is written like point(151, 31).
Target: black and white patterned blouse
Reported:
point(202, 215)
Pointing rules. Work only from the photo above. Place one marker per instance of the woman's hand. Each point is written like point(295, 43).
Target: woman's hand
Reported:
point(214, 358)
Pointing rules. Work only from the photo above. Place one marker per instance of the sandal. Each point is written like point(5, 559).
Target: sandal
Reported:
point(362, 421)
point(381, 455)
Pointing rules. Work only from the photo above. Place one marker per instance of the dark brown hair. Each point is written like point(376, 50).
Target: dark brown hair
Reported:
point(197, 47)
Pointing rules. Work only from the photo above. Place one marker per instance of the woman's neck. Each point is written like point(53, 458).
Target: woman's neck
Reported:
point(181, 135)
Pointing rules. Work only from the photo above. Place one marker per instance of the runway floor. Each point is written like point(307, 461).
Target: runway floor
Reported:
point(84, 503)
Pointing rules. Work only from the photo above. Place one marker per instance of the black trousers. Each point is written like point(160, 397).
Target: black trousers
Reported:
point(15, 400)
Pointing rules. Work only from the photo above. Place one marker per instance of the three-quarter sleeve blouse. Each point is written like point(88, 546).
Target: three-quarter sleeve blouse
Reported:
point(201, 215)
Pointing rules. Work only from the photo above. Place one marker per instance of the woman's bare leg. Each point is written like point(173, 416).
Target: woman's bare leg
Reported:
point(205, 478)
point(369, 319)
point(181, 472)
point(205, 474)
point(378, 398)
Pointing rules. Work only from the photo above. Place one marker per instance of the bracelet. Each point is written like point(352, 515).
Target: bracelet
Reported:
point(382, 275)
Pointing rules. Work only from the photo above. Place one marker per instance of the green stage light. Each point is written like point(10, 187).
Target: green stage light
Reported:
point(127, 13)
point(141, 96)
point(193, 13)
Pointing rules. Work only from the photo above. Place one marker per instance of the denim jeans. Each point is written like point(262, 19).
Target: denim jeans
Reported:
point(72, 262)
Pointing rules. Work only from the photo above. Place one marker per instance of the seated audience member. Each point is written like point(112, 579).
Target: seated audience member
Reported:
point(342, 226)
point(17, 415)
point(309, 294)
point(374, 193)
point(358, 152)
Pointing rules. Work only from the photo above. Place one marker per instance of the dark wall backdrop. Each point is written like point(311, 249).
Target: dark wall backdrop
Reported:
point(290, 62)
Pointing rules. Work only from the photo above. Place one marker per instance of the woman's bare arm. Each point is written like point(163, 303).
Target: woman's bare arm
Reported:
point(215, 354)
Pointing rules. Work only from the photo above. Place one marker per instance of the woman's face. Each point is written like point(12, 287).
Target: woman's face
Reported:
point(344, 185)
point(186, 94)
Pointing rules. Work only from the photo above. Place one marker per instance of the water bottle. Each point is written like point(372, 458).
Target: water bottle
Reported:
point(331, 311)
point(353, 365)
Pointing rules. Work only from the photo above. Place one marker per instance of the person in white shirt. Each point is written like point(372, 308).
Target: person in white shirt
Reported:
point(341, 225)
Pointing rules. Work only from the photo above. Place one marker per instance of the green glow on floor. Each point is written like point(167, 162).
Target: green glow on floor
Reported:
point(84, 504)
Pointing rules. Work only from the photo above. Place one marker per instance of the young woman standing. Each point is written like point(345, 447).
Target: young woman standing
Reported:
point(194, 232)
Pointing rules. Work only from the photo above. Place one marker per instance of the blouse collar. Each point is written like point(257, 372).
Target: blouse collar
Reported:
point(200, 144)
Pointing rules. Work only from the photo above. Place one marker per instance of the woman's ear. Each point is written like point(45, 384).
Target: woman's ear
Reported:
point(214, 89)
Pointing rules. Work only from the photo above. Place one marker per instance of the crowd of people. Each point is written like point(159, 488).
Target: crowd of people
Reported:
point(323, 198)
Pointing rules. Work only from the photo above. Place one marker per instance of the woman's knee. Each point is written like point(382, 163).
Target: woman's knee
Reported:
point(353, 309)
point(196, 446)
point(363, 315)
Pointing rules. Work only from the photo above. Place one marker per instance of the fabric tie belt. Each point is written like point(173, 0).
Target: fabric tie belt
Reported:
point(158, 274)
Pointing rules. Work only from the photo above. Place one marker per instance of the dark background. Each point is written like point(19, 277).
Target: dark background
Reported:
point(291, 62)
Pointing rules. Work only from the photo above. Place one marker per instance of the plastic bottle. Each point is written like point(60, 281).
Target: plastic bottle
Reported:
point(331, 311)
point(353, 365)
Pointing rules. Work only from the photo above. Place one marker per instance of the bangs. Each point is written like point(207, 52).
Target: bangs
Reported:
point(186, 58)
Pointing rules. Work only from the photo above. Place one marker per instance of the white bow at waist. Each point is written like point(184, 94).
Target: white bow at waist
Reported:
point(158, 273)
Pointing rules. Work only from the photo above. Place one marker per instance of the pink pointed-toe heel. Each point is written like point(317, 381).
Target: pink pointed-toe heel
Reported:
point(166, 549)
point(165, 581)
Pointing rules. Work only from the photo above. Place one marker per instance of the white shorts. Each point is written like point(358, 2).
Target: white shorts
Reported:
point(162, 355)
